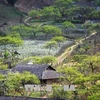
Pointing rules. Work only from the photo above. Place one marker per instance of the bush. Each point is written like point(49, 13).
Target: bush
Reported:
point(3, 66)
point(95, 14)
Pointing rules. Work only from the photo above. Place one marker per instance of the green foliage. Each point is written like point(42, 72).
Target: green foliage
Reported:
point(78, 13)
point(50, 29)
point(87, 24)
point(97, 2)
point(3, 66)
point(16, 82)
point(1, 77)
point(95, 14)
point(12, 40)
point(68, 25)
point(40, 60)
point(9, 40)
point(58, 92)
point(34, 60)
point(2, 33)
point(2, 86)
point(50, 44)
point(23, 30)
point(29, 78)
point(85, 48)
point(21, 27)
point(59, 39)
point(94, 97)
point(51, 13)
point(34, 13)
point(48, 60)
point(95, 26)
point(79, 58)
point(62, 5)
point(92, 26)
point(14, 34)
point(85, 75)
point(70, 74)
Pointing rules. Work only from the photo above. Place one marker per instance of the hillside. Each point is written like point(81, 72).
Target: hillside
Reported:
point(27, 5)
point(24, 4)
point(10, 11)
point(43, 42)
point(9, 14)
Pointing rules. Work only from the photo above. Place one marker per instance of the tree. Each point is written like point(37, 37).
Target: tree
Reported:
point(68, 25)
point(40, 60)
point(50, 29)
point(78, 14)
point(59, 39)
point(94, 96)
point(47, 60)
point(34, 13)
point(9, 40)
point(94, 15)
point(84, 75)
point(58, 92)
point(36, 30)
point(15, 34)
point(34, 60)
point(16, 81)
point(89, 66)
point(50, 13)
point(23, 30)
point(50, 45)
point(9, 55)
point(92, 26)
point(91, 63)
point(69, 74)
point(62, 5)
point(3, 66)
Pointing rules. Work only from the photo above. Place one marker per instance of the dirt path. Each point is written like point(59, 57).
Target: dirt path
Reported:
point(69, 50)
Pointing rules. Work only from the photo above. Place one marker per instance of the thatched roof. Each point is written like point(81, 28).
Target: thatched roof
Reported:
point(41, 71)
point(49, 74)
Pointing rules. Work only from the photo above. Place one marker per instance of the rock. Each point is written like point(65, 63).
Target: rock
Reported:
point(27, 5)
point(3, 1)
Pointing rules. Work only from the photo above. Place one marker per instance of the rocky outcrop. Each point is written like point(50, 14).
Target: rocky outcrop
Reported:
point(3, 1)
point(27, 5)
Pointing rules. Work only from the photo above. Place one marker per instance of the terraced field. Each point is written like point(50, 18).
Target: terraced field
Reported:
point(36, 48)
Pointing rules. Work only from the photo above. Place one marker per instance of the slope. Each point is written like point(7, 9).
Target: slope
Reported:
point(9, 14)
